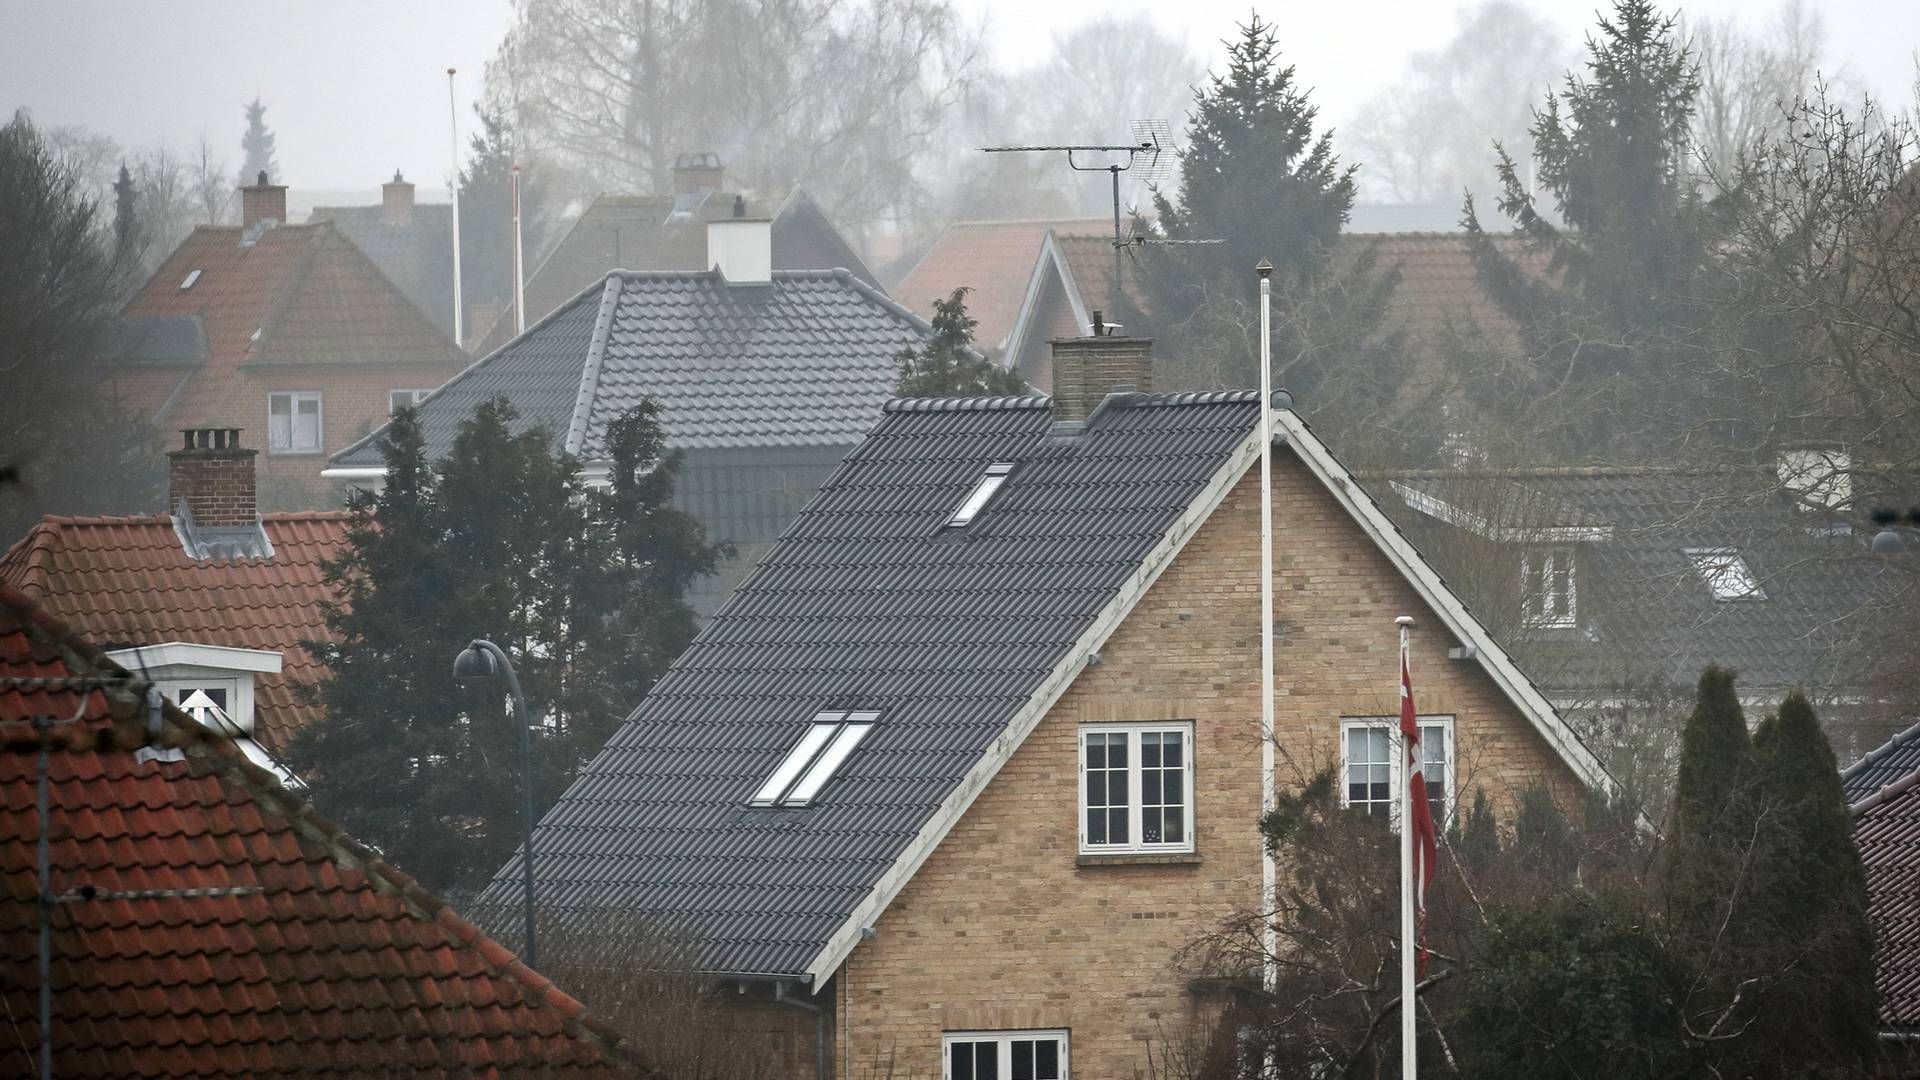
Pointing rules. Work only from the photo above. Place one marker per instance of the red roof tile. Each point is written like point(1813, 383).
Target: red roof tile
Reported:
point(1886, 830)
point(993, 258)
point(1439, 286)
point(322, 961)
point(126, 581)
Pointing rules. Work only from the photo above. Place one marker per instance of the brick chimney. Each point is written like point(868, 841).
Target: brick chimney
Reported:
point(213, 475)
point(697, 174)
point(396, 202)
point(261, 201)
point(1087, 369)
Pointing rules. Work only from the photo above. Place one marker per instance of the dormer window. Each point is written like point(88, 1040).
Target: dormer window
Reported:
point(981, 494)
point(1726, 573)
point(812, 762)
point(187, 282)
point(1547, 588)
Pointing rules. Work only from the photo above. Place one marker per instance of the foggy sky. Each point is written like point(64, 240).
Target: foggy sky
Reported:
point(357, 88)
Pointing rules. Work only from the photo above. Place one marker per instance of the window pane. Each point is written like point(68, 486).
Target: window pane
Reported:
point(830, 759)
point(1176, 827)
point(1117, 827)
point(986, 1061)
point(1356, 744)
point(1096, 826)
point(1150, 825)
point(1096, 751)
point(1149, 786)
point(1046, 1064)
point(1173, 751)
point(1022, 1060)
point(1116, 787)
point(796, 759)
point(960, 1061)
point(1150, 750)
point(279, 422)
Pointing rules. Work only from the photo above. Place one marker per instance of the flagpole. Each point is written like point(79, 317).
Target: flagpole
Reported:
point(453, 131)
point(1408, 945)
point(519, 279)
point(1268, 937)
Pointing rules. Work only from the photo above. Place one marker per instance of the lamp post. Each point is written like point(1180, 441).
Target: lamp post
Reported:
point(485, 660)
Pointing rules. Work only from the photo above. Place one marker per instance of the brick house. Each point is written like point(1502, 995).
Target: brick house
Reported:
point(287, 332)
point(200, 920)
point(955, 774)
point(211, 600)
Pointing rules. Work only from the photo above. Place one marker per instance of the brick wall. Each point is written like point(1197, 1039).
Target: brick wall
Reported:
point(217, 485)
point(1003, 929)
point(1086, 370)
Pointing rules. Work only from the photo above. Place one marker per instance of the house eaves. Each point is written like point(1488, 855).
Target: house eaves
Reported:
point(1050, 255)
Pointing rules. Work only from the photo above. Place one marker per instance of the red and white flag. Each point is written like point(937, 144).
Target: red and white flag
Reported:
point(1426, 845)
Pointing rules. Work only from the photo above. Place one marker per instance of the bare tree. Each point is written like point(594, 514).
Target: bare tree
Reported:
point(1750, 82)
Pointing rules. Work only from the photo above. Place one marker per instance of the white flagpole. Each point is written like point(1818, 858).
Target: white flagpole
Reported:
point(1268, 937)
point(1408, 945)
point(453, 132)
point(519, 280)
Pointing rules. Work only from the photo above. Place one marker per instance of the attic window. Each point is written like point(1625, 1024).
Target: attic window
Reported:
point(981, 494)
point(1726, 573)
point(813, 761)
point(187, 282)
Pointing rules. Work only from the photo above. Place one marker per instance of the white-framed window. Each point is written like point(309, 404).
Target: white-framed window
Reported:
point(213, 702)
point(1136, 788)
point(293, 422)
point(1547, 587)
point(1003, 1055)
point(1370, 774)
point(1726, 573)
point(981, 494)
point(822, 749)
point(400, 399)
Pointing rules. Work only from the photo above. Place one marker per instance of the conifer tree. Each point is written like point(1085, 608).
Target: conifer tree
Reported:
point(256, 147)
point(948, 365)
point(1714, 753)
point(123, 213)
point(486, 210)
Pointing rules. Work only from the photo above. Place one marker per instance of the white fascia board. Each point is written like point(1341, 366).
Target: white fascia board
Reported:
point(949, 812)
point(189, 654)
point(1441, 510)
point(1426, 581)
point(365, 472)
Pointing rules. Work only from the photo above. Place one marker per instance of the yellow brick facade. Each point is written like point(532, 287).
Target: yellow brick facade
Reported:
point(1003, 928)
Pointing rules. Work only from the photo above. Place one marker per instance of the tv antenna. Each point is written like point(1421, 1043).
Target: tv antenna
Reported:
point(1150, 155)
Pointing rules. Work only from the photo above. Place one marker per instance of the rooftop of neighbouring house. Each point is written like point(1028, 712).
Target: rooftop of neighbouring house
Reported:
point(993, 259)
point(1885, 826)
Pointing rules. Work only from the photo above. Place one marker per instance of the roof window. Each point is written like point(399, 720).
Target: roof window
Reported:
point(1726, 573)
point(981, 494)
point(812, 762)
point(187, 282)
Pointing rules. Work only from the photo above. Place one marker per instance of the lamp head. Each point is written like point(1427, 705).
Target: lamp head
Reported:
point(475, 663)
point(1888, 542)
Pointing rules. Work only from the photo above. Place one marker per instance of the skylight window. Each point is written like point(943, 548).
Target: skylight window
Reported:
point(1726, 573)
point(187, 283)
point(981, 494)
point(819, 754)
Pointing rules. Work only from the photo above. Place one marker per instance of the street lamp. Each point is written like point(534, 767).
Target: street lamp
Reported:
point(485, 660)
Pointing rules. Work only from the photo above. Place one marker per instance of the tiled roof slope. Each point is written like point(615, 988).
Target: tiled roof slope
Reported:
point(1890, 761)
point(299, 294)
point(1439, 287)
point(126, 581)
point(315, 960)
point(1886, 830)
point(862, 605)
point(1657, 619)
point(802, 362)
point(994, 259)
point(416, 255)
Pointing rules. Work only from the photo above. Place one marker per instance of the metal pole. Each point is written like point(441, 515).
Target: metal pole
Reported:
point(453, 134)
point(1113, 302)
point(521, 719)
point(1409, 1044)
point(519, 280)
point(1268, 937)
point(43, 864)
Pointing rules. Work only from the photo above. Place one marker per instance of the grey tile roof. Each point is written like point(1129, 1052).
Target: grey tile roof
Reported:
point(804, 361)
point(1892, 760)
point(866, 602)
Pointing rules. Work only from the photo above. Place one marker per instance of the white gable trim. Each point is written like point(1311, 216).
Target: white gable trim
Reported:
point(590, 371)
point(189, 654)
point(1352, 498)
point(834, 953)
point(1050, 255)
point(1441, 510)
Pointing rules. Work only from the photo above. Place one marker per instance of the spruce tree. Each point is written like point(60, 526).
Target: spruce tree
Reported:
point(486, 210)
point(948, 365)
point(256, 147)
point(123, 213)
point(1257, 181)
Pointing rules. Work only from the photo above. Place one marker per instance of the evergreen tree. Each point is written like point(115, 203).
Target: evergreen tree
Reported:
point(1257, 182)
point(500, 540)
point(1605, 301)
point(1714, 753)
point(486, 210)
point(123, 215)
point(948, 365)
point(256, 147)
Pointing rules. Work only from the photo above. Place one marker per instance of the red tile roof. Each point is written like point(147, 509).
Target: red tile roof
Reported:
point(299, 294)
point(318, 960)
point(1439, 286)
point(126, 581)
point(1886, 829)
point(993, 258)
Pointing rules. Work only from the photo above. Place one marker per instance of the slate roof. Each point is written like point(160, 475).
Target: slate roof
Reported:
point(316, 960)
point(128, 581)
point(1886, 763)
point(804, 361)
point(867, 603)
point(993, 258)
point(297, 294)
point(1886, 830)
point(1657, 620)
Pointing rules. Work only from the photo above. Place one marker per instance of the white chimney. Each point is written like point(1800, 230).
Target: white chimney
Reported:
point(741, 248)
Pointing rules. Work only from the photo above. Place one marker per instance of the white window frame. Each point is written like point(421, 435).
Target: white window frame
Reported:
point(294, 398)
point(1004, 1040)
point(812, 762)
point(1396, 758)
point(1537, 601)
point(416, 396)
point(1719, 566)
point(1135, 845)
point(983, 492)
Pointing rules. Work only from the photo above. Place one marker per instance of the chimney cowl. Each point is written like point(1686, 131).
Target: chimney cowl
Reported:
point(1087, 370)
point(698, 174)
